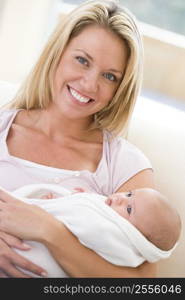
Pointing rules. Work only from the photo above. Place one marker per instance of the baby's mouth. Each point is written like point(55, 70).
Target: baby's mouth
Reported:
point(78, 96)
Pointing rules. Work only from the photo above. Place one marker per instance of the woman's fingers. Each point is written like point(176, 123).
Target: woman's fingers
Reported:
point(3, 275)
point(12, 241)
point(10, 262)
point(9, 270)
point(17, 266)
point(27, 265)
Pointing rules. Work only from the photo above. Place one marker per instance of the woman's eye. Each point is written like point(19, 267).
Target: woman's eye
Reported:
point(82, 60)
point(129, 209)
point(110, 76)
point(129, 194)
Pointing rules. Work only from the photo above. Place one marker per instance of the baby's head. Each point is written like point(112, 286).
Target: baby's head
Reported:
point(151, 213)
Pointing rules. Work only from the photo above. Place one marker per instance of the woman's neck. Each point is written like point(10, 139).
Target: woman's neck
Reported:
point(55, 125)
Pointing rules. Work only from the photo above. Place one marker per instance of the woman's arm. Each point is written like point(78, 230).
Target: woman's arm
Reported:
point(143, 179)
point(79, 261)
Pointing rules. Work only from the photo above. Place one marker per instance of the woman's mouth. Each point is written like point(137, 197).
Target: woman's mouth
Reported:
point(79, 97)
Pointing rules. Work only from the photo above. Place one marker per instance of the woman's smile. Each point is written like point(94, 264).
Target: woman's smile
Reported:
point(78, 97)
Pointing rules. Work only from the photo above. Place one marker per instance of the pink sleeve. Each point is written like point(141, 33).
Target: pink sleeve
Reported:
point(126, 161)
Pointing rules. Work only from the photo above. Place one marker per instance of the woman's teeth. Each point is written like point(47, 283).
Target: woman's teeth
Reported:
point(79, 97)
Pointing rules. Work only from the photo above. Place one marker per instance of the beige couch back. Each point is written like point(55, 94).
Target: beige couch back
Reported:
point(159, 130)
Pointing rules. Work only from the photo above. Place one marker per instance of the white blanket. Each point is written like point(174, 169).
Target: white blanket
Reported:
point(94, 223)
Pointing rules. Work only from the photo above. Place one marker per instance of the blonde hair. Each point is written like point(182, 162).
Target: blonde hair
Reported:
point(37, 90)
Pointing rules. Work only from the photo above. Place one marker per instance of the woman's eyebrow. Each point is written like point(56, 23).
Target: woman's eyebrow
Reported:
point(115, 71)
point(90, 57)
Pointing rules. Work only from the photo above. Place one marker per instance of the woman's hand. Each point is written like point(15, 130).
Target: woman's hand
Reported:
point(23, 220)
point(10, 260)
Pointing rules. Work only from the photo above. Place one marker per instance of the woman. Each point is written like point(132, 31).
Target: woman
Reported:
point(63, 127)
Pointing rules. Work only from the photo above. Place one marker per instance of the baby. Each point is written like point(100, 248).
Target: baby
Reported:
point(126, 229)
point(151, 213)
point(148, 210)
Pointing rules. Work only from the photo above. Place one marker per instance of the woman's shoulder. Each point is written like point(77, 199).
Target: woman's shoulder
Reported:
point(6, 112)
point(6, 117)
point(119, 143)
point(121, 150)
point(124, 160)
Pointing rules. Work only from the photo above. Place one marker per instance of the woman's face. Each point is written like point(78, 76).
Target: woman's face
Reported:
point(89, 72)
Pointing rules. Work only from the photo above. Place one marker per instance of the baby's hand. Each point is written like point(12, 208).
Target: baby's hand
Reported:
point(79, 190)
point(48, 196)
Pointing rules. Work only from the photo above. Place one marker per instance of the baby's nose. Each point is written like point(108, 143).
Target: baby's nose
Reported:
point(119, 200)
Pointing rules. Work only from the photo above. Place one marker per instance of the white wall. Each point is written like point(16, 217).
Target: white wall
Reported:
point(23, 29)
point(164, 68)
point(25, 26)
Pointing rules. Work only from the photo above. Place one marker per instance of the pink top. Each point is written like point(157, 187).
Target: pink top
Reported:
point(120, 161)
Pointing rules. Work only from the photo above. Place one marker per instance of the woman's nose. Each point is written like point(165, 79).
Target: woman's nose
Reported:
point(90, 81)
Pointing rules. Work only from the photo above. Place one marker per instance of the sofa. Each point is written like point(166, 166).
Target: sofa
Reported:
point(159, 131)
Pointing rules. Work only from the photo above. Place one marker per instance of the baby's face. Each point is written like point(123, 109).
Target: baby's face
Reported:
point(151, 213)
point(122, 203)
point(135, 206)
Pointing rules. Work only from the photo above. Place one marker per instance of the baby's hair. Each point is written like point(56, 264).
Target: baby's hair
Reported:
point(165, 229)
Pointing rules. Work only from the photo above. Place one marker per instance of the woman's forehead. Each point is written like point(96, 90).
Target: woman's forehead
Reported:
point(100, 43)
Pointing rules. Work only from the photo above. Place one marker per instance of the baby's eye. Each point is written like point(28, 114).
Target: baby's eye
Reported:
point(129, 209)
point(82, 60)
point(110, 76)
point(129, 194)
